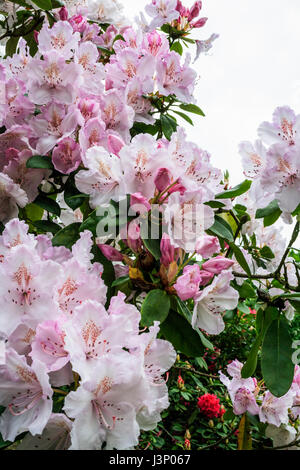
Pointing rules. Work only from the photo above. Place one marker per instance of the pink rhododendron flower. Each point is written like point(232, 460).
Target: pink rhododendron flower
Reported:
point(207, 246)
point(27, 394)
point(66, 156)
point(212, 302)
point(187, 285)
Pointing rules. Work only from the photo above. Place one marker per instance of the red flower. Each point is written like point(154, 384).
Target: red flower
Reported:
point(209, 405)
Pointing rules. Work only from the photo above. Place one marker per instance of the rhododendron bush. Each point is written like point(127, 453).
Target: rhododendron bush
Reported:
point(124, 253)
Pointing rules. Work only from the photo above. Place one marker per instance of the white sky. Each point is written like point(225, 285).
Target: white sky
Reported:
point(252, 68)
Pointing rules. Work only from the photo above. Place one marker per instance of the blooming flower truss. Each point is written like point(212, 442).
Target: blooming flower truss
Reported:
point(121, 241)
point(280, 413)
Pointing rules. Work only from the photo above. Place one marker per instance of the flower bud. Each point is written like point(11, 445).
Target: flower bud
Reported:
point(139, 203)
point(63, 14)
point(187, 444)
point(111, 253)
point(195, 10)
point(162, 179)
point(207, 246)
point(167, 250)
point(217, 265)
point(180, 382)
point(205, 277)
point(200, 23)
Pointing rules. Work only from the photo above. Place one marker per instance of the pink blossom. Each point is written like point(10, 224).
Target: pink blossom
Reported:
point(187, 285)
point(26, 393)
point(66, 156)
point(207, 246)
point(212, 302)
point(275, 410)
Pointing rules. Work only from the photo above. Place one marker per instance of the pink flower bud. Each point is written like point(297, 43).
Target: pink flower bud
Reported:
point(195, 10)
point(134, 237)
point(115, 144)
point(63, 14)
point(111, 253)
point(177, 188)
point(167, 250)
point(36, 36)
point(217, 265)
point(198, 24)
point(162, 179)
point(205, 277)
point(139, 203)
point(208, 246)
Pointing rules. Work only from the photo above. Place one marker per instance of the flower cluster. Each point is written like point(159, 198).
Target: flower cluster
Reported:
point(55, 325)
point(209, 406)
point(248, 396)
point(275, 170)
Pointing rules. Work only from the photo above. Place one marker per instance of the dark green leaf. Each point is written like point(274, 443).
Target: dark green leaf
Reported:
point(267, 253)
point(73, 197)
point(11, 46)
point(183, 337)
point(67, 236)
point(177, 47)
point(246, 291)
point(167, 125)
point(276, 363)
point(48, 204)
point(46, 226)
point(155, 307)
point(108, 274)
point(239, 256)
point(222, 229)
point(40, 161)
point(43, 4)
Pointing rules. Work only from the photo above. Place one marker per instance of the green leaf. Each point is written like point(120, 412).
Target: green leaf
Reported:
point(276, 362)
point(167, 125)
point(46, 226)
point(240, 258)
point(108, 274)
point(272, 207)
point(156, 307)
point(270, 213)
point(67, 236)
point(192, 108)
point(236, 191)
point(43, 4)
point(246, 291)
point(40, 161)
point(73, 197)
point(153, 246)
point(120, 281)
point(11, 46)
point(177, 47)
point(215, 204)
point(48, 204)
point(91, 222)
point(267, 253)
point(142, 128)
point(222, 229)
point(182, 308)
point(180, 333)
point(184, 116)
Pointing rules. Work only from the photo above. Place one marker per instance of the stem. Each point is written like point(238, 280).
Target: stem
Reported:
point(60, 392)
